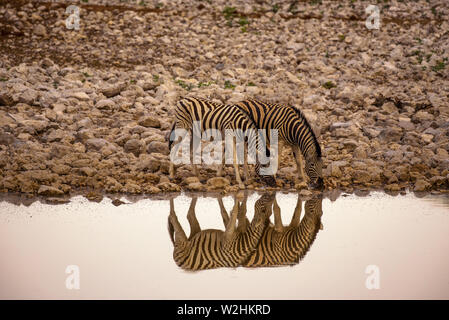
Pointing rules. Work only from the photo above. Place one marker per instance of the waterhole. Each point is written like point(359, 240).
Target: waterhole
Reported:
point(372, 247)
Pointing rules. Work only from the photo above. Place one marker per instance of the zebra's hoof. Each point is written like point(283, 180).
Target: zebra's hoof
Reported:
point(317, 185)
point(269, 181)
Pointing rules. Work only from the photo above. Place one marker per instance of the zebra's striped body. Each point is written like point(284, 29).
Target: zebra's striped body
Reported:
point(212, 248)
point(281, 245)
point(293, 129)
point(220, 117)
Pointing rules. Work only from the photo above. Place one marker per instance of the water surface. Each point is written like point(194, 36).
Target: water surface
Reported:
point(125, 251)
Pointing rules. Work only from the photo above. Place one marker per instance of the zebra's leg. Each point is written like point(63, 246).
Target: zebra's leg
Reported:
point(221, 167)
point(176, 232)
point(277, 217)
point(172, 169)
point(230, 227)
point(278, 157)
point(193, 221)
point(224, 214)
point(299, 166)
point(245, 162)
point(193, 150)
point(175, 148)
point(236, 167)
point(243, 220)
point(272, 155)
point(297, 214)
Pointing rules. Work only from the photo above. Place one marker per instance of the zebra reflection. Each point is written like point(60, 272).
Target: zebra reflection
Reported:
point(211, 248)
point(256, 244)
point(286, 245)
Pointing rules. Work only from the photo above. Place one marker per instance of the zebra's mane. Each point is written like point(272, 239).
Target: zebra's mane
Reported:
point(307, 124)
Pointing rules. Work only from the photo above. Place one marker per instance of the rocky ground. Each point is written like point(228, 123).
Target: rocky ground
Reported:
point(89, 109)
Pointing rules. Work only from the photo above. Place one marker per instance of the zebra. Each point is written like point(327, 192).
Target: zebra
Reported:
point(294, 129)
point(211, 248)
point(279, 245)
point(218, 116)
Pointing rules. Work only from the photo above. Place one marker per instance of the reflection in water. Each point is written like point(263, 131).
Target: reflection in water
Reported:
point(255, 244)
point(211, 248)
point(280, 245)
point(121, 255)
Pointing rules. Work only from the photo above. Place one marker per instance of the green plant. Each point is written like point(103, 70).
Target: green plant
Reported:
point(419, 58)
point(251, 84)
point(204, 84)
point(184, 85)
point(229, 12)
point(229, 85)
point(275, 8)
point(329, 85)
point(341, 37)
point(156, 78)
point(440, 65)
point(293, 7)
point(243, 21)
point(3, 79)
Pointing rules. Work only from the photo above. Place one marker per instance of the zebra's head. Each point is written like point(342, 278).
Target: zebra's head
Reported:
point(263, 207)
point(314, 169)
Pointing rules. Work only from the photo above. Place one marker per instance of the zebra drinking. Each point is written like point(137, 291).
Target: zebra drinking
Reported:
point(294, 129)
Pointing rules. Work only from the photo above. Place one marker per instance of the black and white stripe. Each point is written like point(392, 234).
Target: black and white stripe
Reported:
point(208, 249)
point(293, 128)
point(281, 245)
point(221, 117)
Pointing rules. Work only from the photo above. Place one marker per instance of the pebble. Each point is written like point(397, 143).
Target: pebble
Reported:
point(89, 109)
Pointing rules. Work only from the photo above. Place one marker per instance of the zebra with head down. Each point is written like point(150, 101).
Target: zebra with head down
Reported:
point(294, 129)
point(211, 248)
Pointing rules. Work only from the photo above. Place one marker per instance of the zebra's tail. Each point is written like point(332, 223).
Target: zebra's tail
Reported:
point(171, 230)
